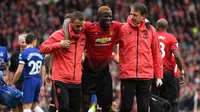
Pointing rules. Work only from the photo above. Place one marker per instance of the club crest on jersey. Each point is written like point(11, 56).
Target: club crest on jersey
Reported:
point(82, 42)
point(103, 40)
point(145, 34)
point(58, 90)
point(111, 32)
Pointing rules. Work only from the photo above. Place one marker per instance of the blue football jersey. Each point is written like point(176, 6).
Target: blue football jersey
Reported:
point(3, 57)
point(33, 62)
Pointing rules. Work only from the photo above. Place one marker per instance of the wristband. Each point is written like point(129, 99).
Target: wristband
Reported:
point(183, 71)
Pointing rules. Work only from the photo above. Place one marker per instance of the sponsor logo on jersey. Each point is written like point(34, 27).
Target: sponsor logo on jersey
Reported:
point(111, 32)
point(103, 40)
point(82, 42)
point(145, 34)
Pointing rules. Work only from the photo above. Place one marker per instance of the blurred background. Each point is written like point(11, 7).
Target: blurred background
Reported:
point(45, 16)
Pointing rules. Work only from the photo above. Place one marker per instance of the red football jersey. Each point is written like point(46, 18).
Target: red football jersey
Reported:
point(100, 43)
point(168, 42)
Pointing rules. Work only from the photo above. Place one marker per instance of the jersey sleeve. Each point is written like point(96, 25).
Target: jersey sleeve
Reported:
point(21, 58)
point(118, 25)
point(174, 43)
point(87, 24)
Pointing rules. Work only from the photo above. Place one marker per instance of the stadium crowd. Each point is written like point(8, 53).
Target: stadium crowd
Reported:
point(45, 17)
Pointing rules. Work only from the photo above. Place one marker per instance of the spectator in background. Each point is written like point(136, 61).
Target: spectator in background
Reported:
point(189, 99)
point(140, 58)
point(67, 68)
point(14, 61)
point(171, 59)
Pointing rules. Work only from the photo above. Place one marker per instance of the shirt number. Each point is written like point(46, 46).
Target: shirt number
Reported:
point(35, 67)
point(162, 49)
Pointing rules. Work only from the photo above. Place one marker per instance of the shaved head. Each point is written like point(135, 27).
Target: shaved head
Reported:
point(161, 24)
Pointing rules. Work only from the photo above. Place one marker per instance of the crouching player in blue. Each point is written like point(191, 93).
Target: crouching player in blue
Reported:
point(31, 63)
point(4, 63)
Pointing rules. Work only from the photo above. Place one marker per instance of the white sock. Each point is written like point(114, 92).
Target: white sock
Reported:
point(27, 110)
point(38, 109)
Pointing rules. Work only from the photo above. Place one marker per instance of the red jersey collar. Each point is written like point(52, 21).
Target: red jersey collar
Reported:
point(99, 28)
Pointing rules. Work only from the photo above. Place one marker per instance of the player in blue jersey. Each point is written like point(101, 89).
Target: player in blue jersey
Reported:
point(4, 59)
point(31, 63)
point(4, 62)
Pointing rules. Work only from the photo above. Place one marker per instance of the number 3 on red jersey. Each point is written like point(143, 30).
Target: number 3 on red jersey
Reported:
point(162, 45)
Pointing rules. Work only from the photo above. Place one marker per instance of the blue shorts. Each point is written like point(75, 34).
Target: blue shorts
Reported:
point(31, 90)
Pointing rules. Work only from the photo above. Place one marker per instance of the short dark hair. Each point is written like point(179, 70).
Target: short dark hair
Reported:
point(139, 7)
point(77, 15)
point(30, 37)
